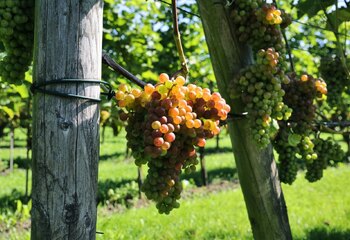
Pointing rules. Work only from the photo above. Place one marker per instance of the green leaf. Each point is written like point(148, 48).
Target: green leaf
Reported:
point(8, 111)
point(294, 139)
point(312, 7)
point(25, 212)
point(336, 18)
point(22, 91)
point(19, 206)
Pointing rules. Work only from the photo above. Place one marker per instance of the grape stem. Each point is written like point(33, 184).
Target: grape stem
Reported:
point(184, 67)
point(326, 127)
point(287, 45)
point(106, 59)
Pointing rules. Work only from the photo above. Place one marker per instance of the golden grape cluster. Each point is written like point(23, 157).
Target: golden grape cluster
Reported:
point(165, 124)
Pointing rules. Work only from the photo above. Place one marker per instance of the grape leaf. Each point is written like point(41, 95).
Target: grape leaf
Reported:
point(336, 18)
point(294, 139)
point(312, 7)
point(22, 91)
point(8, 111)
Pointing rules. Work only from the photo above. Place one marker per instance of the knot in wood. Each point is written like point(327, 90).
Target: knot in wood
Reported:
point(64, 125)
point(71, 213)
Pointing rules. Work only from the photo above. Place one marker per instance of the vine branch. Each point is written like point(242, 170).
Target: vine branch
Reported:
point(106, 59)
point(327, 127)
point(177, 36)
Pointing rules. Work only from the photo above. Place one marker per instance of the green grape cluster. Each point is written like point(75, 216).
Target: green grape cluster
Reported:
point(314, 170)
point(306, 149)
point(165, 124)
point(300, 95)
point(16, 34)
point(260, 88)
point(288, 161)
point(333, 73)
point(259, 24)
point(329, 153)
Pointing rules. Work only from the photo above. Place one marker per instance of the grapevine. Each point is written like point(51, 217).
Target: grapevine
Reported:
point(270, 96)
point(16, 34)
point(260, 84)
point(165, 124)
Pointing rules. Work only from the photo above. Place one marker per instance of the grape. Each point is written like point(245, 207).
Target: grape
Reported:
point(259, 87)
point(16, 34)
point(165, 123)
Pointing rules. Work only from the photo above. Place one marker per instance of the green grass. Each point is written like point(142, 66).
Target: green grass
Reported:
point(318, 210)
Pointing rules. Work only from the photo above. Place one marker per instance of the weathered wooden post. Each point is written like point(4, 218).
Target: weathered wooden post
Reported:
point(68, 44)
point(257, 171)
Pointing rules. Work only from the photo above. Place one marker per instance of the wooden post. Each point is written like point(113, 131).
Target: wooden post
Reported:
point(68, 44)
point(28, 159)
point(257, 170)
point(12, 146)
point(139, 180)
point(217, 148)
point(204, 173)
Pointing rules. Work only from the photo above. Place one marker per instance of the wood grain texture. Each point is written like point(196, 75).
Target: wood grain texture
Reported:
point(68, 44)
point(257, 171)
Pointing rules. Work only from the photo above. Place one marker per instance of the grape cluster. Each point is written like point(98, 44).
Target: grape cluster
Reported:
point(259, 23)
point(260, 88)
point(165, 124)
point(288, 161)
point(332, 71)
point(300, 94)
point(329, 153)
point(16, 34)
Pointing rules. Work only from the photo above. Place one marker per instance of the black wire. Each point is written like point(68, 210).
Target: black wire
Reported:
point(40, 87)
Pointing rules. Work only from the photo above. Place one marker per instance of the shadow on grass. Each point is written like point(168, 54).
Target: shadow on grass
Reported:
point(9, 202)
point(19, 162)
point(104, 186)
point(214, 150)
point(18, 144)
point(226, 173)
point(322, 233)
point(111, 156)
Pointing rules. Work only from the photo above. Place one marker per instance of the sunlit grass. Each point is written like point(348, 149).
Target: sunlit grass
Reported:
point(318, 210)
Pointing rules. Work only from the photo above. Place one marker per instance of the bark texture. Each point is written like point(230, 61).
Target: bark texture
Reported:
point(256, 168)
point(68, 44)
